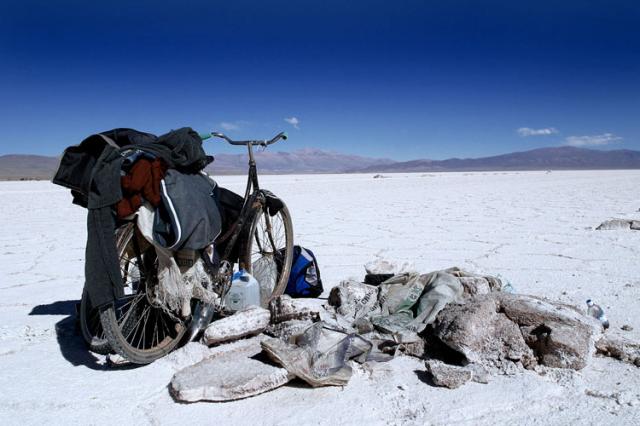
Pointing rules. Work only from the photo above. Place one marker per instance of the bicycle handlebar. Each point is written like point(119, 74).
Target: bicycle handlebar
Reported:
point(276, 138)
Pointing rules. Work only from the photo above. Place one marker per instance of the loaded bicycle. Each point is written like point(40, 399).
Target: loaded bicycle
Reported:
point(258, 237)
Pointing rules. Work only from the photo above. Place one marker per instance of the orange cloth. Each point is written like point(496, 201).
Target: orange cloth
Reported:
point(142, 181)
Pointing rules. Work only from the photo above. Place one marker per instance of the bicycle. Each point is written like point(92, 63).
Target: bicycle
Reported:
point(260, 240)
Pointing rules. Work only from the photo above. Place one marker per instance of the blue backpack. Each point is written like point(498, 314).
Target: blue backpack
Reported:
point(304, 279)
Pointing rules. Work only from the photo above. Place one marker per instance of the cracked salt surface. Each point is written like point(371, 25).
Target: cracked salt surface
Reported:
point(534, 228)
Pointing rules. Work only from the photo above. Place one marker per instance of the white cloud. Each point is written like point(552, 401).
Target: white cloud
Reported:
point(527, 131)
point(229, 126)
point(294, 121)
point(594, 140)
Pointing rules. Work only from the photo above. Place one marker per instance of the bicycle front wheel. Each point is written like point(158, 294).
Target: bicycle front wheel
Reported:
point(268, 252)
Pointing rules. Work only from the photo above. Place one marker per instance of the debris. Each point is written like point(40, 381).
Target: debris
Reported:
point(491, 329)
point(284, 308)
point(250, 321)
point(597, 312)
point(626, 327)
point(479, 373)
point(383, 266)
point(430, 292)
point(449, 376)
point(116, 360)
point(483, 335)
point(560, 335)
point(228, 375)
point(287, 330)
point(354, 300)
point(476, 284)
point(320, 355)
point(376, 279)
point(475, 330)
point(612, 224)
point(619, 348)
point(621, 398)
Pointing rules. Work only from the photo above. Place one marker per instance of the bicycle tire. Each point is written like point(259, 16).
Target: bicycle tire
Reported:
point(250, 253)
point(91, 327)
point(123, 327)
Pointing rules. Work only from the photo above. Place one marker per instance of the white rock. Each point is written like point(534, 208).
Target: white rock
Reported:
point(248, 322)
point(228, 376)
point(614, 224)
point(383, 266)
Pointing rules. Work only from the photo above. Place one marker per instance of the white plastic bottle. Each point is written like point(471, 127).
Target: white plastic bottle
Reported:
point(244, 291)
point(598, 313)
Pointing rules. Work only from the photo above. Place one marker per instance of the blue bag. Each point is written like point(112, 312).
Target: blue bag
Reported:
point(304, 279)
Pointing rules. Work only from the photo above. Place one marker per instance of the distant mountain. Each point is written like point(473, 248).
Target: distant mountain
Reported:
point(16, 167)
point(559, 158)
point(300, 161)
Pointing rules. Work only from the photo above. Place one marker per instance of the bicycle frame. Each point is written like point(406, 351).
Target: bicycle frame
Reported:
point(252, 190)
point(252, 179)
point(204, 313)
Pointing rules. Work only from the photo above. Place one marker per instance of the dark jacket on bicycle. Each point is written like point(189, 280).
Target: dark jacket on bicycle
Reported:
point(92, 170)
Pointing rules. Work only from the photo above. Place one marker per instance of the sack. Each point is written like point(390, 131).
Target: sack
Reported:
point(230, 205)
point(188, 217)
point(304, 279)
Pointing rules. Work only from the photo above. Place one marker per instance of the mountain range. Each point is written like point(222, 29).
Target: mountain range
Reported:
point(556, 158)
point(15, 167)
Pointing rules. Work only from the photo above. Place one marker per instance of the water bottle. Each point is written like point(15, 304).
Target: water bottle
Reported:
point(598, 313)
point(244, 291)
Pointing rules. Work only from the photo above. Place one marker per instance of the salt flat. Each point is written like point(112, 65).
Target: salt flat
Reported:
point(534, 228)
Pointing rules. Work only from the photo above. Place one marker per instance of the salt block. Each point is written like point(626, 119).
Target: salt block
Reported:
point(384, 266)
point(614, 224)
point(489, 329)
point(248, 322)
point(284, 308)
point(619, 348)
point(228, 376)
point(449, 376)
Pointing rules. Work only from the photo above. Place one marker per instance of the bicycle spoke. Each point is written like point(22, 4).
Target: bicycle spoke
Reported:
point(166, 330)
point(133, 302)
point(154, 337)
point(135, 327)
point(269, 232)
point(145, 317)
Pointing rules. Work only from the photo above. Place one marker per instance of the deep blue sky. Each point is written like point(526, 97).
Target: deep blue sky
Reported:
point(399, 79)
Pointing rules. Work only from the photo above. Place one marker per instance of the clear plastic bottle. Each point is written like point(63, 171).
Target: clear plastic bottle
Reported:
point(598, 313)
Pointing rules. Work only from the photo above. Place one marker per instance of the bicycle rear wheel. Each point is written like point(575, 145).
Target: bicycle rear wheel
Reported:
point(268, 252)
point(136, 327)
point(91, 327)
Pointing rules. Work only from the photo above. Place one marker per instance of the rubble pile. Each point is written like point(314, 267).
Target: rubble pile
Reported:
point(465, 326)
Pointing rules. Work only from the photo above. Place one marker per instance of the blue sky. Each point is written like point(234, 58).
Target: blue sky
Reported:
point(397, 79)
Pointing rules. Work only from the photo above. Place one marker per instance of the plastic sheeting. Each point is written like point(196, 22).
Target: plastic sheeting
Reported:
point(319, 355)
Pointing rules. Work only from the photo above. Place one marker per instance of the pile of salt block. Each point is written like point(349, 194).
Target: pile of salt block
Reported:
point(488, 334)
